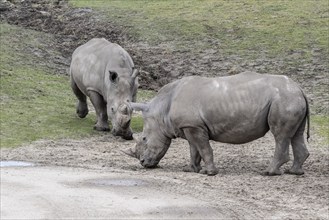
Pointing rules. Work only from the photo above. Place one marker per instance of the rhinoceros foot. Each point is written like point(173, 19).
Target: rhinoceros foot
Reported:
point(82, 110)
point(82, 114)
point(192, 168)
point(101, 128)
point(272, 173)
point(294, 171)
point(210, 172)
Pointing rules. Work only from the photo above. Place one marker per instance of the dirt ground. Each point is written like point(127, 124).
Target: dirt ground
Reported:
point(238, 191)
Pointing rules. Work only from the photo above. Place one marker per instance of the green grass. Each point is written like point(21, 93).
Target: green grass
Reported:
point(321, 127)
point(145, 95)
point(36, 104)
point(246, 27)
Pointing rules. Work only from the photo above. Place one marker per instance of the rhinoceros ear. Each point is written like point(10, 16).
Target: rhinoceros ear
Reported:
point(139, 106)
point(135, 73)
point(130, 152)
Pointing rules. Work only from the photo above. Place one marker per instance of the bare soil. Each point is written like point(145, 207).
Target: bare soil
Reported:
point(238, 191)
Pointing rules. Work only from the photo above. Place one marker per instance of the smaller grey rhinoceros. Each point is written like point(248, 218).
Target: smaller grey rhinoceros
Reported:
point(234, 109)
point(105, 73)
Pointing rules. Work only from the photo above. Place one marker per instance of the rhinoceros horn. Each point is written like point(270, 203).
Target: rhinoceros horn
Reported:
point(139, 106)
point(131, 152)
point(124, 109)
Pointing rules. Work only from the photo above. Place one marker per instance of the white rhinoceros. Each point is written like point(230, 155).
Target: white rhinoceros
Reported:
point(105, 73)
point(234, 109)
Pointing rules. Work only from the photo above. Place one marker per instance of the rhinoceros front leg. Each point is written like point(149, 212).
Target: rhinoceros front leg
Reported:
point(199, 140)
point(100, 108)
point(195, 160)
point(82, 107)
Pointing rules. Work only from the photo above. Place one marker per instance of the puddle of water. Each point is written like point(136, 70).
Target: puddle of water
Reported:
point(12, 163)
point(117, 182)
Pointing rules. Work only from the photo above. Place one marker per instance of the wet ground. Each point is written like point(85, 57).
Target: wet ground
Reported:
point(13, 163)
point(61, 193)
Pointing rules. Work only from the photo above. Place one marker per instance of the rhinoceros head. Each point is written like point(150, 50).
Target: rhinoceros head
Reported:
point(152, 145)
point(121, 92)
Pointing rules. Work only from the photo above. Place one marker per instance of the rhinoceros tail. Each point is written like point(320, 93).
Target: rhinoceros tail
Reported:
point(308, 120)
point(307, 117)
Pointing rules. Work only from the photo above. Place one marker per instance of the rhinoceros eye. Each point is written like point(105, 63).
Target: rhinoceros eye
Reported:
point(144, 138)
point(113, 76)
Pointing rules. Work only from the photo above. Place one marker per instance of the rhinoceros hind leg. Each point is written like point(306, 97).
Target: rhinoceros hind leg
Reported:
point(296, 168)
point(82, 107)
point(299, 150)
point(199, 144)
point(281, 156)
point(286, 123)
point(100, 108)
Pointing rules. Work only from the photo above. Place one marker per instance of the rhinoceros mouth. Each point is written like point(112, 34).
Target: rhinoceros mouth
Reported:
point(127, 135)
point(150, 166)
point(146, 164)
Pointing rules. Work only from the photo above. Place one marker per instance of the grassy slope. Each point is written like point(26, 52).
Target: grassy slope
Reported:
point(36, 104)
point(321, 127)
point(250, 29)
point(246, 28)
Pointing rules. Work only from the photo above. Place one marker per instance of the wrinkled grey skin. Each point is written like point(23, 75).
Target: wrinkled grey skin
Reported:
point(234, 109)
point(105, 73)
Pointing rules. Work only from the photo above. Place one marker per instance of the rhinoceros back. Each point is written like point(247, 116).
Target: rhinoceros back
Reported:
point(92, 60)
point(232, 109)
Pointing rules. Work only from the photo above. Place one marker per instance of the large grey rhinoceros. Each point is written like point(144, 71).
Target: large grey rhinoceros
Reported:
point(234, 109)
point(105, 73)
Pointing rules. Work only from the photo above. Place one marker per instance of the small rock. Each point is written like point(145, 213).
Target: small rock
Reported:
point(45, 13)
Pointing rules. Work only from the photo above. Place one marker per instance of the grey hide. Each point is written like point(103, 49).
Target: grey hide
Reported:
point(234, 109)
point(105, 73)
